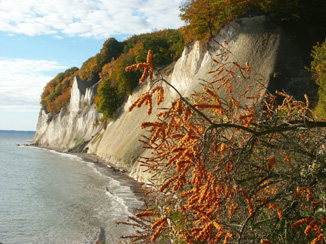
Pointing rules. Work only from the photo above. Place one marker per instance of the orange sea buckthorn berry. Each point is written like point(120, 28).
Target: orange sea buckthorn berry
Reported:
point(309, 194)
point(149, 56)
point(310, 226)
point(280, 213)
point(300, 222)
point(265, 241)
point(319, 238)
point(287, 159)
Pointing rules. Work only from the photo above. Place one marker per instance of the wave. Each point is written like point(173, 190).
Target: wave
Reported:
point(119, 204)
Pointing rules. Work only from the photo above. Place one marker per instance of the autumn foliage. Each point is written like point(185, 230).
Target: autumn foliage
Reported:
point(118, 84)
point(109, 65)
point(233, 167)
point(204, 18)
point(56, 93)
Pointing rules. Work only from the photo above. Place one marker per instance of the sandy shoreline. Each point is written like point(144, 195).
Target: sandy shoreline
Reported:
point(115, 173)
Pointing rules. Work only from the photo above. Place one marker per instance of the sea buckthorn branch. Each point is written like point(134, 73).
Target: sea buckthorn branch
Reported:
point(147, 66)
point(185, 100)
point(297, 149)
point(293, 125)
point(257, 210)
point(260, 153)
point(290, 125)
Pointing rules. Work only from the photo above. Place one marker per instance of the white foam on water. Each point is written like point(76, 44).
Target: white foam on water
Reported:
point(119, 205)
point(66, 155)
point(62, 154)
point(122, 195)
point(96, 170)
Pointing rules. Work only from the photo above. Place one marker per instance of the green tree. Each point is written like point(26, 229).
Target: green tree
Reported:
point(124, 81)
point(167, 46)
point(111, 49)
point(93, 66)
point(116, 84)
point(107, 100)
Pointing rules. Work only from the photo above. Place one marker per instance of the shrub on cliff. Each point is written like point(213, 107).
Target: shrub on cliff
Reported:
point(109, 101)
point(234, 169)
point(318, 69)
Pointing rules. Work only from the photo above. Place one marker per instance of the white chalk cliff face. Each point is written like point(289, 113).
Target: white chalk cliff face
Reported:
point(74, 124)
point(266, 48)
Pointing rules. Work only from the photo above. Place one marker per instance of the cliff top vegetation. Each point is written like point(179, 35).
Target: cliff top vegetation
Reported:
point(204, 18)
point(56, 93)
point(109, 65)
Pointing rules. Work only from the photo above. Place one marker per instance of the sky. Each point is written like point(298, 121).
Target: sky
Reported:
point(39, 39)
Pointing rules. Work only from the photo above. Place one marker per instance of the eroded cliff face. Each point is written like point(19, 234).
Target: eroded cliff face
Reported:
point(276, 59)
point(74, 124)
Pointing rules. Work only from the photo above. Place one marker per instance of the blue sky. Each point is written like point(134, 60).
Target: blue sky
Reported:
point(39, 39)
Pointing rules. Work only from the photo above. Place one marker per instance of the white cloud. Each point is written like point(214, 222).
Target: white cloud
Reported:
point(90, 18)
point(22, 81)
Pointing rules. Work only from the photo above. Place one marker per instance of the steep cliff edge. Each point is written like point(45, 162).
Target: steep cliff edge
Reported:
point(272, 53)
point(75, 123)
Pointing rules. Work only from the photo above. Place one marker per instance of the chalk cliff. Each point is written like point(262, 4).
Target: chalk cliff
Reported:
point(275, 55)
point(75, 123)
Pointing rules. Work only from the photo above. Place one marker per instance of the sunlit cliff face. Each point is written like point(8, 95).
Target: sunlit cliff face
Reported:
point(264, 48)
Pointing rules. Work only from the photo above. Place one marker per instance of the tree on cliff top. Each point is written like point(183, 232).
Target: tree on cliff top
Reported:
point(200, 17)
point(237, 168)
point(90, 69)
point(205, 17)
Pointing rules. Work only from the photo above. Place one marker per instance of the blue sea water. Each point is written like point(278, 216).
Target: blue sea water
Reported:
point(51, 197)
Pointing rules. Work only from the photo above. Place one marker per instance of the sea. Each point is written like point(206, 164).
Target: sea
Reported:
point(52, 197)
